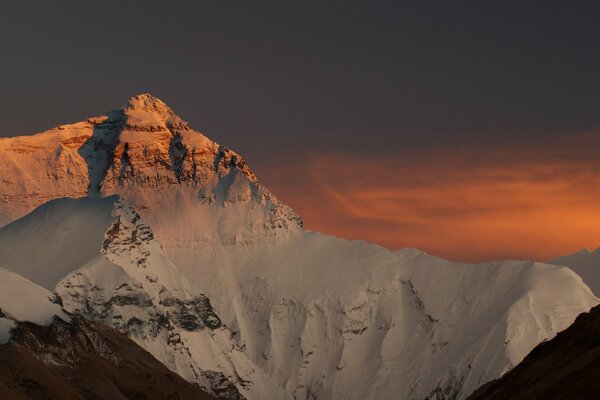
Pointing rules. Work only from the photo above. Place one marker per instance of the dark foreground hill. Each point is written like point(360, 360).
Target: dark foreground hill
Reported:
point(566, 367)
point(84, 360)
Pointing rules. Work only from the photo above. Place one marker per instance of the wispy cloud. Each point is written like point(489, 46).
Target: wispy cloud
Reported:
point(466, 204)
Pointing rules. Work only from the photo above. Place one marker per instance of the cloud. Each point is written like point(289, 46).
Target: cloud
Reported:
point(467, 204)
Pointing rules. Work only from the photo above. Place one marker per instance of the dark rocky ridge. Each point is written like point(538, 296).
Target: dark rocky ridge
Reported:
point(566, 367)
point(84, 360)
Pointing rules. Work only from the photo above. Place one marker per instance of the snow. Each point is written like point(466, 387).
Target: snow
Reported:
point(586, 264)
point(305, 315)
point(28, 248)
point(23, 301)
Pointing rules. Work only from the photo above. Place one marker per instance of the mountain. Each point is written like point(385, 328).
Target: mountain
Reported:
point(207, 270)
point(566, 367)
point(47, 354)
point(587, 265)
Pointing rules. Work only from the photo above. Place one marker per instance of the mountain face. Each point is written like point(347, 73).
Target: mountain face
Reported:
point(566, 367)
point(204, 268)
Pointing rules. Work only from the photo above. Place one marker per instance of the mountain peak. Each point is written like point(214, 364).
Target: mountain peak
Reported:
point(144, 112)
point(148, 103)
point(143, 151)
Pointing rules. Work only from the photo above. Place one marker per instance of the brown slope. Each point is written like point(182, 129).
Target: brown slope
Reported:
point(84, 360)
point(566, 367)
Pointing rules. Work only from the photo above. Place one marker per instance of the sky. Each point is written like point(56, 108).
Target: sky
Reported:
point(468, 129)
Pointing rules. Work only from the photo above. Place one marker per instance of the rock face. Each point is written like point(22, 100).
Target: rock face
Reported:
point(83, 360)
point(204, 268)
point(566, 367)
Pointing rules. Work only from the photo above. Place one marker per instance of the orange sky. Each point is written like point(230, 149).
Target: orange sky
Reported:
point(462, 204)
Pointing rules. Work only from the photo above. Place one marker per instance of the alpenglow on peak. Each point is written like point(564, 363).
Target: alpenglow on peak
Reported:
point(147, 102)
point(144, 152)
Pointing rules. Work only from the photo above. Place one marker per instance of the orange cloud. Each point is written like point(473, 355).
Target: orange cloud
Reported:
point(467, 204)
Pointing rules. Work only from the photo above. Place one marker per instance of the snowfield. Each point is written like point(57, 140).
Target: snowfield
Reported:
point(170, 238)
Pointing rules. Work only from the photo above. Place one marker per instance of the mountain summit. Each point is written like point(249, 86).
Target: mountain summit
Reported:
point(143, 151)
point(147, 102)
point(145, 111)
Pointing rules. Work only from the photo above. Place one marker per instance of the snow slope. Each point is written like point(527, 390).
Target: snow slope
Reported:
point(45, 256)
point(586, 264)
point(301, 312)
point(23, 301)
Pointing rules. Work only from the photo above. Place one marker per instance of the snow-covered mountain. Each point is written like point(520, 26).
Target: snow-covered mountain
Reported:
point(222, 284)
point(587, 265)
